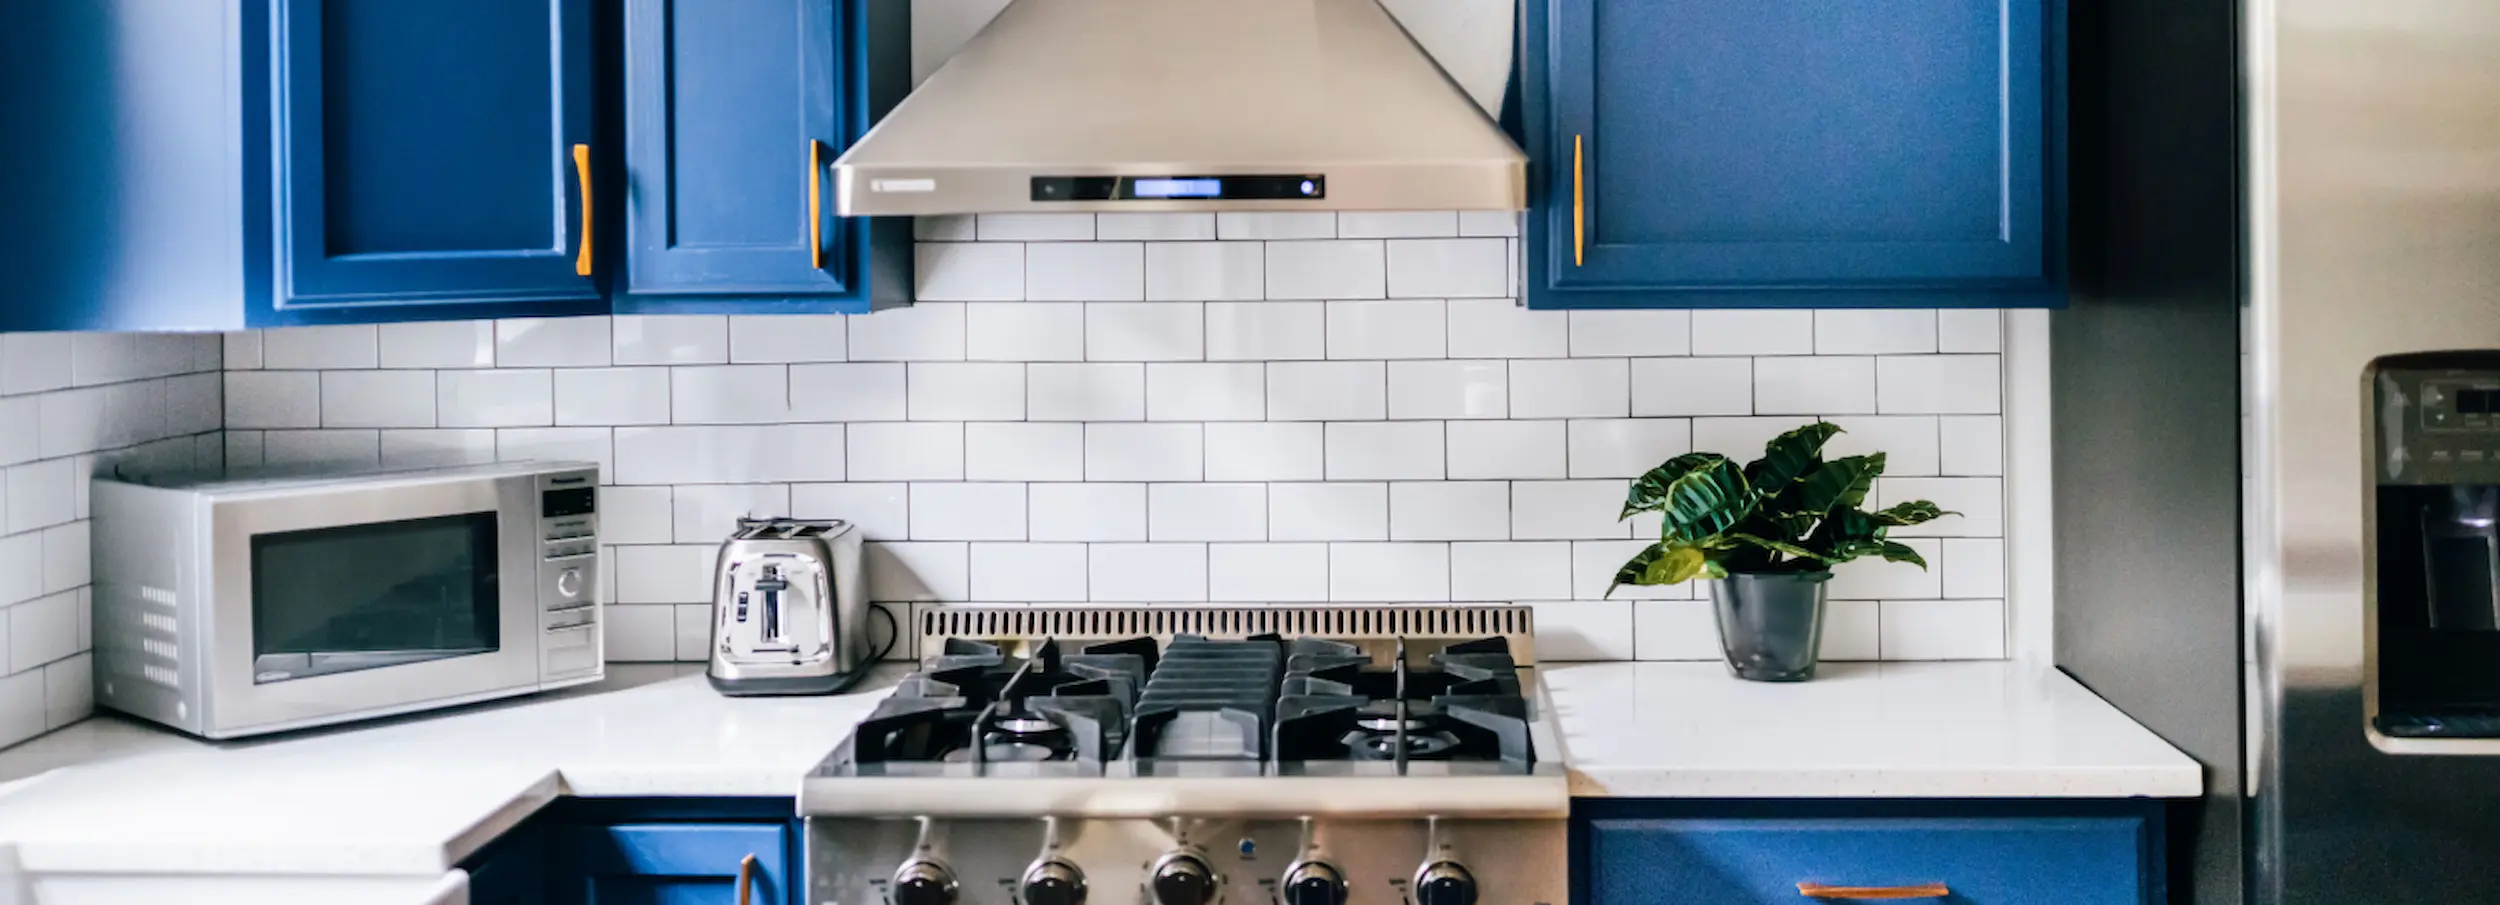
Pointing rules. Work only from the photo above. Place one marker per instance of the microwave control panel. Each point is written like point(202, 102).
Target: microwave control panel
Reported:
point(568, 586)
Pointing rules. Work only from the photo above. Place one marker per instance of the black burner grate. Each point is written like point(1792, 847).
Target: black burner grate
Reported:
point(1208, 700)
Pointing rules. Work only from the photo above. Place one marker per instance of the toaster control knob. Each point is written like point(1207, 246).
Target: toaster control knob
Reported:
point(1183, 878)
point(921, 881)
point(1052, 881)
point(1445, 882)
point(1314, 883)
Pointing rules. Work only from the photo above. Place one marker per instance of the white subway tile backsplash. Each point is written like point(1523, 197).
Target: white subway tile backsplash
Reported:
point(1024, 331)
point(1977, 567)
point(1943, 629)
point(1264, 451)
point(1449, 389)
point(35, 362)
point(1506, 449)
point(1626, 447)
point(553, 342)
point(1908, 442)
point(1809, 385)
point(862, 391)
point(241, 352)
point(926, 331)
point(1147, 573)
point(1449, 510)
point(1088, 512)
point(438, 344)
point(788, 338)
point(1389, 573)
point(1329, 269)
point(729, 394)
point(1145, 331)
point(73, 421)
point(1145, 452)
point(1741, 439)
point(1327, 391)
point(1086, 392)
point(882, 511)
point(965, 272)
point(1568, 630)
point(1040, 573)
point(1085, 271)
point(918, 571)
point(1024, 451)
point(1749, 332)
point(1596, 334)
point(1576, 388)
point(585, 444)
point(982, 511)
point(267, 399)
point(709, 513)
point(1677, 630)
point(1981, 502)
point(1206, 512)
point(1396, 224)
point(906, 452)
point(1870, 578)
point(21, 423)
point(1387, 329)
point(636, 634)
point(1033, 227)
point(1488, 223)
point(341, 448)
point(68, 691)
point(1266, 331)
point(1510, 571)
point(1969, 330)
point(611, 396)
point(732, 454)
point(1567, 510)
point(1692, 386)
point(1385, 450)
point(504, 397)
point(194, 403)
point(943, 228)
point(1936, 384)
point(694, 630)
point(426, 447)
point(1339, 511)
point(315, 348)
point(1851, 630)
point(1874, 331)
point(1206, 391)
point(1206, 271)
point(1448, 268)
point(22, 703)
point(1500, 328)
point(21, 567)
point(1267, 573)
point(1594, 564)
point(1154, 226)
point(1275, 225)
point(42, 630)
point(637, 515)
point(1973, 444)
point(965, 391)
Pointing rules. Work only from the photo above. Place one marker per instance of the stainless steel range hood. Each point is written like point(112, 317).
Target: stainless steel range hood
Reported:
point(1184, 105)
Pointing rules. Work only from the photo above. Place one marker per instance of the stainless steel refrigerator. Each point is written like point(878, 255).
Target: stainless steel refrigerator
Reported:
point(2277, 433)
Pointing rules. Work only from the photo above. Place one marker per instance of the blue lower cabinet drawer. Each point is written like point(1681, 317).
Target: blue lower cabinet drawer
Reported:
point(1963, 861)
point(683, 863)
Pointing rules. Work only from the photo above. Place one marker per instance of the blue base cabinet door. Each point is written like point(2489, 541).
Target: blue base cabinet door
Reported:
point(1737, 153)
point(734, 113)
point(683, 864)
point(2084, 860)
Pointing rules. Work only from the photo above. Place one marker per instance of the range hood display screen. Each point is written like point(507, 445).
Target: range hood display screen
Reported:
point(1166, 188)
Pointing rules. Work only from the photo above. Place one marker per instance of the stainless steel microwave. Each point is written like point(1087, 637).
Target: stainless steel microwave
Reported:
point(237, 605)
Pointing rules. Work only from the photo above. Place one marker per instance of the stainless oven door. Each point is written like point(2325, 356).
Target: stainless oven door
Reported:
point(345, 600)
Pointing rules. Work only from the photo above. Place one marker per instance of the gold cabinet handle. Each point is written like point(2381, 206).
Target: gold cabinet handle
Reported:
point(815, 197)
point(1922, 891)
point(746, 874)
point(1579, 209)
point(581, 166)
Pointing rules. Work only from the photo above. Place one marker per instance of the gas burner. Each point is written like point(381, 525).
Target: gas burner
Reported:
point(1420, 744)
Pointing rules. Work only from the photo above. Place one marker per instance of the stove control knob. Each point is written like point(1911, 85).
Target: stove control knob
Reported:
point(1052, 881)
point(921, 881)
point(1445, 883)
point(1184, 878)
point(1314, 883)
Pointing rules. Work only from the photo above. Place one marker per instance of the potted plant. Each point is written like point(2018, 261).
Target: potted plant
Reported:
point(1766, 536)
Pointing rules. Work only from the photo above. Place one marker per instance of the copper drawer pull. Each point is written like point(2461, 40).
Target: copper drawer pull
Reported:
point(815, 196)
point(1922, 891)
point(746, 873)
point(581, 166)
point(1579, 209)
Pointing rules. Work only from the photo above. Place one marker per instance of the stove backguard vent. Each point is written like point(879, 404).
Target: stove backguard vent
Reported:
point(1009, 626)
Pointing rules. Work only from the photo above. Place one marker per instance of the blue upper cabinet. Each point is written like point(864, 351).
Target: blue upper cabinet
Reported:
point(431, 154)
point(734, 113)
point(214, 164)
point(1806, 153)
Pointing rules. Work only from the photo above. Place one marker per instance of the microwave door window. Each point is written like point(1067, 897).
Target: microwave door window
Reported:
point(334, 600)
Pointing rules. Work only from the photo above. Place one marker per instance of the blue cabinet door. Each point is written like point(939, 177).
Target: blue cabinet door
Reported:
point(1795, 152)
point(682, 863)
point(2084, 860)
point(431, 154)
point(735, 111)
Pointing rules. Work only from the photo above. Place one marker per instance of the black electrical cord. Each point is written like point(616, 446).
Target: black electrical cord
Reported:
point(893, 632)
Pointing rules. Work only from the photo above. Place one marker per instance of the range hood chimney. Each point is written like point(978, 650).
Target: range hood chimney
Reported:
point(1184, 105)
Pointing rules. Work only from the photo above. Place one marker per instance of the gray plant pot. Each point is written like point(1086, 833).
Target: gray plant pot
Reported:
point(1770, 625)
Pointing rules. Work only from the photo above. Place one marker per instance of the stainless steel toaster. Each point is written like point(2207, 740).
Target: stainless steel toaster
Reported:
point(789, 612)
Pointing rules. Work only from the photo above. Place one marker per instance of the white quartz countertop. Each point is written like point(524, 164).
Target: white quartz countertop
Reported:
point(389, 807)
point(1858, 730)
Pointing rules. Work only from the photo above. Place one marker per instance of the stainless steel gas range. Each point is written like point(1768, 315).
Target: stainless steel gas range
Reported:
point(1197, 756)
